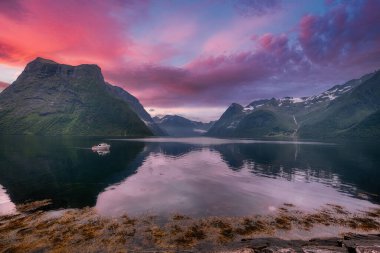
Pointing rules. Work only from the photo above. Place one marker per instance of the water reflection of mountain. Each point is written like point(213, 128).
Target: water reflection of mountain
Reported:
point(229, 179)
point(351, 168)
point(62, 170)
point(170, 148)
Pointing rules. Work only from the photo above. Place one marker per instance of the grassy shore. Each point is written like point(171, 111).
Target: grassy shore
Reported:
point(83, 230)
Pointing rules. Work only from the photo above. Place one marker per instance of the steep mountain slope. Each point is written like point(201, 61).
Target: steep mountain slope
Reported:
point(55, 99)
point(258, 119)
point(176, 125)
point(345, 112)
point(328, 115)
point(367, 128)
point(137, 107)
point(225, 126)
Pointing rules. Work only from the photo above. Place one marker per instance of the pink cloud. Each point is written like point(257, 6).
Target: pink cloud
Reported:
point(214, 79)
point(70, 31)
point(148, 53)
point(283, 64)
point(342, 35)
point(177, 29)
point(3, 85)
point(162, 43)
point(235, 37)
point(11, 9)
point(233, 62)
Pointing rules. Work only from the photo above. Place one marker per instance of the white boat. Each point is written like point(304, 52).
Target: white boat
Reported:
point(101, 147)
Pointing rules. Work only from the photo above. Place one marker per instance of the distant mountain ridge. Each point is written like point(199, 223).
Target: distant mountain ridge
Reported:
point(49, 98)
point(175, 125)
point(344, 110)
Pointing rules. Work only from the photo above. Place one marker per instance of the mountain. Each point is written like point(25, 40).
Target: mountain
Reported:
point(56, 99)
point(347, 110)
point(137, 107)
point(368, 128)
point(253, 121)
point(176, 125)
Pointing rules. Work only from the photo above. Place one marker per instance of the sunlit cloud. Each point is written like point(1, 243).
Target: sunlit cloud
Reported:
point(201, 53)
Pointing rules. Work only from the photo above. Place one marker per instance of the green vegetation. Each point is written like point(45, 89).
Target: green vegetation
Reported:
point(354, 113)
point(54, 99)
point(368, 128)
point(265, 123)
point(345, 113)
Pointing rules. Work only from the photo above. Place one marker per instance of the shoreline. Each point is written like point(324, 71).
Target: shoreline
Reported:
point(84, 230)
point(349, 243)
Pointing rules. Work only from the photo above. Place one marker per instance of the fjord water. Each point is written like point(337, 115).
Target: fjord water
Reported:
point(192, 176)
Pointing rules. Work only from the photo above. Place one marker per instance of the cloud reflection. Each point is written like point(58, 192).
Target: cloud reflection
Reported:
point(6, 205)
point(201, 183)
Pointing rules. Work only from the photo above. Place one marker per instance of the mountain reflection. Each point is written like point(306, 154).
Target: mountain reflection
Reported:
point(62, 169)
point(239, 179)
point(350, 167)
point(197, 176)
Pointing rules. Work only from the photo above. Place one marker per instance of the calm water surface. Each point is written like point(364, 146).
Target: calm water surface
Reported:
point(193, 176)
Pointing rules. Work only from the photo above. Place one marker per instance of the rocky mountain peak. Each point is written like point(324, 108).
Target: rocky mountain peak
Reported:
point(235, 108)
point(236, 105)
point(45, 68)
point(43, 60)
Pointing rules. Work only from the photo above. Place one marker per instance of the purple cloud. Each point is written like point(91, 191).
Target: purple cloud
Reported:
point(347, 34)
point(206, 54)
point(345, 37)
point(256, 7)
point(12, 9)
point(213, 80)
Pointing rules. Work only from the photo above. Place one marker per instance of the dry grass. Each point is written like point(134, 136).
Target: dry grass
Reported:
point(364, 223)
point(256, 225)
point(83, 230)
point(374, 213)
point(283, 222)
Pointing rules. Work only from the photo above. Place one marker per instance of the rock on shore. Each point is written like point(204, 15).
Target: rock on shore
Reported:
point(352, 243)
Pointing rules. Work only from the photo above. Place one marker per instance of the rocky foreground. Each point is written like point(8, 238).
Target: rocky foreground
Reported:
point(350, 243)
point(32, 229)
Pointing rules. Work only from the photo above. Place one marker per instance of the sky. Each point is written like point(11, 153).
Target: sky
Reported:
point(194, 58)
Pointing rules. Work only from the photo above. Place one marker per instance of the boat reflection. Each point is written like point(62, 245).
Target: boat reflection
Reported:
point(102, 152)
point(198, 176)
point(201, 183)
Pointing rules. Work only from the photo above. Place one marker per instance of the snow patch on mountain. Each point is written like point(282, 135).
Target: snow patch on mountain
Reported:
point(325, 96)
point(296, 100)
point(250, 108)
point(202, 131)
point(330, 94)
